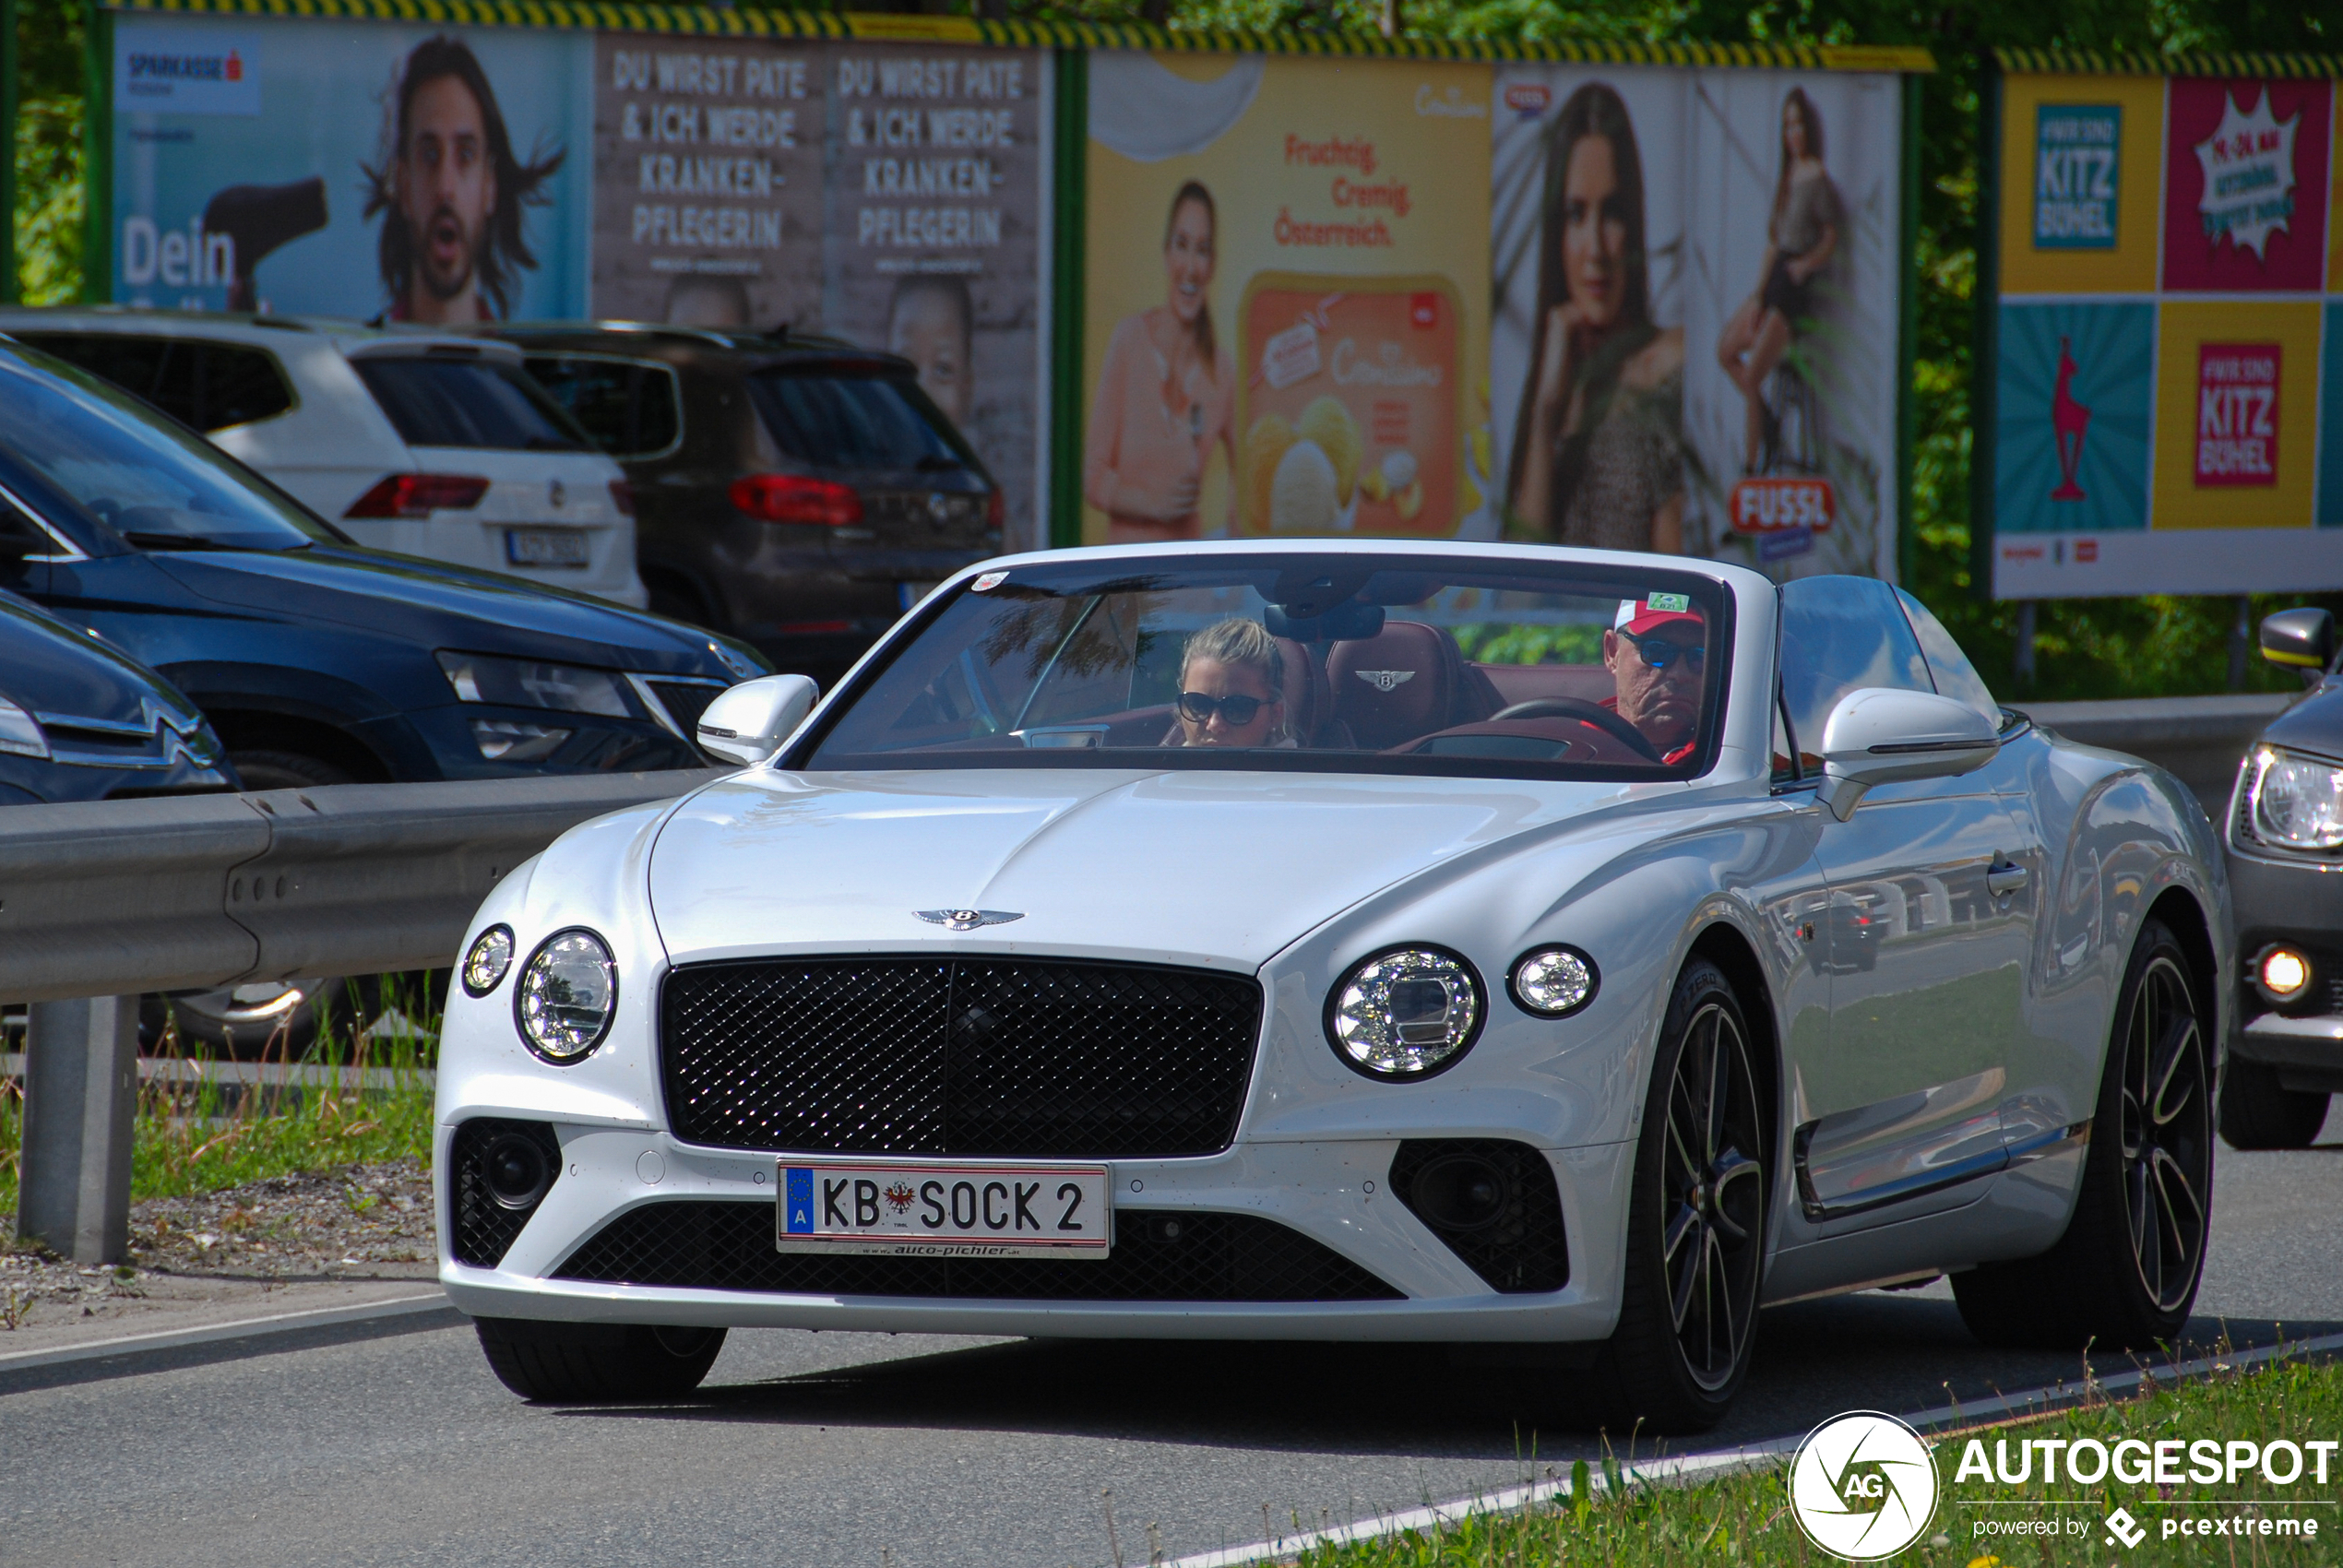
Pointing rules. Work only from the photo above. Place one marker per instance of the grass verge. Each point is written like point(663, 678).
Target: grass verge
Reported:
point(1745, 1517)
point(208, 1135)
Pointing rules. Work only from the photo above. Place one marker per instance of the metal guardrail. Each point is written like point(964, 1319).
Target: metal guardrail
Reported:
point(100, 902)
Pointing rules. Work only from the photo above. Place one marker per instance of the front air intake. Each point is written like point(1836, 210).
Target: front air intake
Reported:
point(498, 1171)
point(1493, 1203)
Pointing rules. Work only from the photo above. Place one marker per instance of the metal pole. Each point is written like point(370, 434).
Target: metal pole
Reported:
point(80, 1087)
point(2023, 666)
point(10, 283)
point(2241, 642)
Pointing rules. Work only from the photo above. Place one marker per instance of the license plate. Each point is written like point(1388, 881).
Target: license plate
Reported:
point(908, 594)
point(931, 1209)
point(545, 547)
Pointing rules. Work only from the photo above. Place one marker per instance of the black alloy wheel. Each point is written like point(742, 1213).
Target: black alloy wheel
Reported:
point(1696, 1218)
point(2127, 1269)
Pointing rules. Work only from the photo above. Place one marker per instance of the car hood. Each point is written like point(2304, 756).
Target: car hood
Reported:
point(1216, 869)
point(440, 606)
point(61, 672)
point(2315, 724)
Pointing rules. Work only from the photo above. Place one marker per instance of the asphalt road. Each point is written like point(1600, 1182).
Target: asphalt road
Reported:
point(832, 1449)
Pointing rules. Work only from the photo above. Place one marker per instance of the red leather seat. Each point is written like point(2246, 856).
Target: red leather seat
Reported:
point(1401, 684)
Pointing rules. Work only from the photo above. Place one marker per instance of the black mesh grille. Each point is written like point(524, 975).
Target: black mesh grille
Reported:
point(957, 1057)
point(483, 1229)
point(1522, 1248)
point(1159, 1255)
point(685, 701)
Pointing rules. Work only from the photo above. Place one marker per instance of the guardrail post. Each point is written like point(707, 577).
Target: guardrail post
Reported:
point(80, 1088)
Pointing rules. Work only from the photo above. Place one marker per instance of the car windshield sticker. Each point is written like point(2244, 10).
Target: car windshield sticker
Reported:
point(1676, 601)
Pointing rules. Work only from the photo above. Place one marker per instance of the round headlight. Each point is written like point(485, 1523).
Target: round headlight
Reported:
point(490, 956)
point(2283, 973)
point(1552, 982)
point(2297, 800)
point(566, 996)
point(1405, 1014)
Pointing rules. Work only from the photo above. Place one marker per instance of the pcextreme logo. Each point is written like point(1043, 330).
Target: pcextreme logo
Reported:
point(1862, 1486)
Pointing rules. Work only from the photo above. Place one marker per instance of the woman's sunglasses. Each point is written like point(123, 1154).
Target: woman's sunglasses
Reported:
point(1660, 653)
point(1238, 710)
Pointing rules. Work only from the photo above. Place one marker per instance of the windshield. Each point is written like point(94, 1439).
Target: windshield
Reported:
point(479, 403)
point(828, 421)
point(155, 482)
point(1328, 662)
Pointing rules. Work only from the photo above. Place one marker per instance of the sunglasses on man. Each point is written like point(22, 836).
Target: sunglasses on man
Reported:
point(1237, 708)
point(1660, 652)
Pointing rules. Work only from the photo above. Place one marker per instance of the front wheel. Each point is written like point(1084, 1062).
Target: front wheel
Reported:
point(590, 1363)
point(1695, 1219)
point(2124, 1276)
point(2258, 1112)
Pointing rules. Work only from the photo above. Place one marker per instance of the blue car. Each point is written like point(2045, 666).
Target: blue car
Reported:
point(317, 662)
point(79, 722)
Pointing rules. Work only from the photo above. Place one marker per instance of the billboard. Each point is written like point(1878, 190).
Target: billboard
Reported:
point(2165, 384)
point(894, 195)
point(1699, 276)
point(1285, 327)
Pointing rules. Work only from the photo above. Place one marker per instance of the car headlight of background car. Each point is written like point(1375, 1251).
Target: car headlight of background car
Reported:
point(1405, 1013)
point(566, 996)
point(2297, 801)
point(524, 682)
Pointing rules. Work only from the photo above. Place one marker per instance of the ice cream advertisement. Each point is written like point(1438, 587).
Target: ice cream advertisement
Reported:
point(1286, 329)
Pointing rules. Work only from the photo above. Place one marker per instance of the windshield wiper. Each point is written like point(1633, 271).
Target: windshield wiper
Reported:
point(145, 540)
point(936, 464)
point(553, 444)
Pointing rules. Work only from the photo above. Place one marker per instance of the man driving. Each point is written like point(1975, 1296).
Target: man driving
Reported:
point(1657, 651)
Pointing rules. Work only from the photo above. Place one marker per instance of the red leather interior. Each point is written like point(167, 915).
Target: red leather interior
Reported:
point(1406, 680)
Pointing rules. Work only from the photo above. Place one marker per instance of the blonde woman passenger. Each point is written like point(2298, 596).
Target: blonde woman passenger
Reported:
point(1231, 688)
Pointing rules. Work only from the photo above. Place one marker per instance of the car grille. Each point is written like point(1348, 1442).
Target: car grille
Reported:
point(935, 1056)
point(685, 701)
point(1159, 1255)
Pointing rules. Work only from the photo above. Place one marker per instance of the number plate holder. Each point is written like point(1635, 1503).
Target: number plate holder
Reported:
point(943, 1209)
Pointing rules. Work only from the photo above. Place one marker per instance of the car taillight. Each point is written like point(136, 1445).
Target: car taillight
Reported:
point(996, 510)
point(794, 498)
point(621, 495)
point(418, 495)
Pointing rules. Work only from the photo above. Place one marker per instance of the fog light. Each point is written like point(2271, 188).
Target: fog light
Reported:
point(2283, 974)
point(517, 1171)
point(1461, 1193)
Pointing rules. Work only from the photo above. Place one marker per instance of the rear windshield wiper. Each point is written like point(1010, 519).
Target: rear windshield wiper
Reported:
point(932, 464)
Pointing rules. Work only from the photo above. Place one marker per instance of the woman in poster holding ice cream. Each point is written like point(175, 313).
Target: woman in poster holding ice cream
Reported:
point(1800, 241)
point(1598, 447)
point(1166, 394)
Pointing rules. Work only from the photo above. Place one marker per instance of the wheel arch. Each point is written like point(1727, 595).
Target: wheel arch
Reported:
point(1726, 946)
point(2182, 915)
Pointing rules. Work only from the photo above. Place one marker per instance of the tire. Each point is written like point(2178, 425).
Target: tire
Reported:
point(278, 1020)
point(2258, 1112)
point(1695, 1219)
point(2124, 1276)
point(287, 770)
point(592, 1364)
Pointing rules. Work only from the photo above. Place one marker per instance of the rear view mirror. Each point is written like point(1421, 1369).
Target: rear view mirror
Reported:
point(1877, 735)
point(2300, 639)
point(749, 722)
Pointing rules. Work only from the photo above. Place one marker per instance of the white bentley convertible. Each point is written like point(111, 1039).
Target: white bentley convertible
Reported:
point(1352, 941)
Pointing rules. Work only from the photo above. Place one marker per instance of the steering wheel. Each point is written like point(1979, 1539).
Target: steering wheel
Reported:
point(1601, 717)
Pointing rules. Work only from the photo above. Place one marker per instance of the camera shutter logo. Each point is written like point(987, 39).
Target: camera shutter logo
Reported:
point(1862, 1486)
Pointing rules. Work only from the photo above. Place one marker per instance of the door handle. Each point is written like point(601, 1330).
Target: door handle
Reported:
point(2005, 877)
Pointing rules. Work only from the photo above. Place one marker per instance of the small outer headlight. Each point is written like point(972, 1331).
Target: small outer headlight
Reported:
point(1553, 982)
point(2297, 800)
point(1405, 1014)
point(490, 956)
point(568, 994)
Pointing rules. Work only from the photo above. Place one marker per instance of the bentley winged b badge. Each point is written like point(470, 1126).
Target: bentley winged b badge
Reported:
point(969, 920)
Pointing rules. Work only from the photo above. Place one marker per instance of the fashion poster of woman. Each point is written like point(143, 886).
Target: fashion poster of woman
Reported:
point(1284, 325)
point(366, 170)
point(1693, 346)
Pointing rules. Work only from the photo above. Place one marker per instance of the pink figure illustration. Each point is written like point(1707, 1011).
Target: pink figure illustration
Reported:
point(2069, 420)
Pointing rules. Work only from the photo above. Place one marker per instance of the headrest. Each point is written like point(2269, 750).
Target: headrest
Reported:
point(1397, 685)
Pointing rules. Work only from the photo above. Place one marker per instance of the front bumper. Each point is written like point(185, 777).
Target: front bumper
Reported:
point(1336, 1193)
point(2299, 902)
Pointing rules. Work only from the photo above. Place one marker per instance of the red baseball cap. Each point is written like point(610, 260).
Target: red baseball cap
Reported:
point(1644, 616)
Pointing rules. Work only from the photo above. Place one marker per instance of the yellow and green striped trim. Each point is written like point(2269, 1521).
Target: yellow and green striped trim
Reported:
point(2093, 62)
point(746, 22)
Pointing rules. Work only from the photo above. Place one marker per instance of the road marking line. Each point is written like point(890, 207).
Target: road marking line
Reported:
point(239, 1328)
point(1690, 1466)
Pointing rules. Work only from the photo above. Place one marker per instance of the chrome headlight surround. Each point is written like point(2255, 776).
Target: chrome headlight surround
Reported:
point(2294, 801)
point(1381, 1017)
point(566, 996)
point(486, 960)
point(1555, 981)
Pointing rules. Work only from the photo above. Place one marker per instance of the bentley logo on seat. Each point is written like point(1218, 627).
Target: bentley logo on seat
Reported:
point(1385, 680)
point(969, 920)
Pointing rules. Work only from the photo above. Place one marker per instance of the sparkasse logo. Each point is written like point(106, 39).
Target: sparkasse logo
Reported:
point(1862, 1486)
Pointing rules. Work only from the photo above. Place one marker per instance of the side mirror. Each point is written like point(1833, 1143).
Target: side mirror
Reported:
point(2300, 639)
point(1877, 735)
point(749, 722)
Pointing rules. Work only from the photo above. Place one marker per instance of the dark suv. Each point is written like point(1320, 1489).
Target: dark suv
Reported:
point(797, 492)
